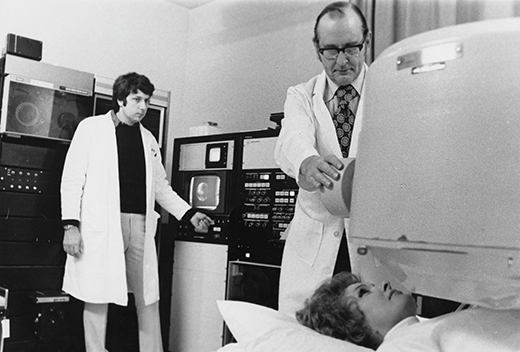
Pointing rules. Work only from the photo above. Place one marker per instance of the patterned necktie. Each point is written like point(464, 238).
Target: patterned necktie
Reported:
point(344, 117)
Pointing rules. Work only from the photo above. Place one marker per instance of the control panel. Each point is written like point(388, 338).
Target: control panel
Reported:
point(267, 207)
point(235, 179)
point(269, 200)
point(203, 175)
point(17, 179)
point(217, 233)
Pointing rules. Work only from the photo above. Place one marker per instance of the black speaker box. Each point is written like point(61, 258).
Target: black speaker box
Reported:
point(24, 47)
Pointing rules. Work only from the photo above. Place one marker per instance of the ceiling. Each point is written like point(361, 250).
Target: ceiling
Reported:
point(189, 4)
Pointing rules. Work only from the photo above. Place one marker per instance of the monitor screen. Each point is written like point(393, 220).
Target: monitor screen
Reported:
point(205, 191)
point(43, 110)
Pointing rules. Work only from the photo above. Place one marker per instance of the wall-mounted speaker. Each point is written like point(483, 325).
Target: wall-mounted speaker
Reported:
point(24, 47)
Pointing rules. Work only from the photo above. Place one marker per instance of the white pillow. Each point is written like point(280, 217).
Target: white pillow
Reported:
point(262, 329)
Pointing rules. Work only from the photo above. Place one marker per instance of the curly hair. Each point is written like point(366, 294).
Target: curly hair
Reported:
point(128, 84)
point(331, 313)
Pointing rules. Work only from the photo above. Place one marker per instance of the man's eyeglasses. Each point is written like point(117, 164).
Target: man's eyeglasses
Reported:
point(349, 51)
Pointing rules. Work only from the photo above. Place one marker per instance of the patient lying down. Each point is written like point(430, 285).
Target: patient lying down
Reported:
point(382, 318)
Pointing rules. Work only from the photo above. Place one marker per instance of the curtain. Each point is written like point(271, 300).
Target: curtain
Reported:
point(368, 9)
point(394, 20)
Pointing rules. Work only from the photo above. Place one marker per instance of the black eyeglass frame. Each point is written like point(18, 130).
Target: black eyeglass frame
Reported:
point(342, 50)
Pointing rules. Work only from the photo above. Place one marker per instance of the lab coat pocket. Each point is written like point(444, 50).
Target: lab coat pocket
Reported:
point(309, 234)
point(94, 219)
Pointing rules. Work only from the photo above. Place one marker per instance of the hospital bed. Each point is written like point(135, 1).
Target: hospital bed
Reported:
point(435, 197)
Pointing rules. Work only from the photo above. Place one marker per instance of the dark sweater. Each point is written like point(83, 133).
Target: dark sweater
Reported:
point(132, 173)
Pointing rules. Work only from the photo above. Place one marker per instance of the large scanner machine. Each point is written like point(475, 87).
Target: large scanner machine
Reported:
point(436, 190)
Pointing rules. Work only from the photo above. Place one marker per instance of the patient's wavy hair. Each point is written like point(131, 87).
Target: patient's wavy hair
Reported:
point(331, 313)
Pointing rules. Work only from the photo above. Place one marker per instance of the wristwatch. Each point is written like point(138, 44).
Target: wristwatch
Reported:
point(68, 227)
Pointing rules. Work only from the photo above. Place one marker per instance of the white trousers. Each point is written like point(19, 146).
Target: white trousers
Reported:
point(95, 315)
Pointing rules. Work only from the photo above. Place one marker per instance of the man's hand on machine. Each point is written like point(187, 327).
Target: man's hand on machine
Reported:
point(201, 222)
point(317, 171)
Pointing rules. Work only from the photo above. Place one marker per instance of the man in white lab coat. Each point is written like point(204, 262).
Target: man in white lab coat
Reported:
point(111, 180)
point(317, 131)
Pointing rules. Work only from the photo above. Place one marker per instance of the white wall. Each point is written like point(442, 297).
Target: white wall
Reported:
point(242, 56)
point(105, 37)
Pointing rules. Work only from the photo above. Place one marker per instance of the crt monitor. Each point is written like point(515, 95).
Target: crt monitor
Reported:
point(204, 171)
point(204, 191)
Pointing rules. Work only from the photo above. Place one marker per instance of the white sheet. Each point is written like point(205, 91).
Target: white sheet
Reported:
point(471, 330)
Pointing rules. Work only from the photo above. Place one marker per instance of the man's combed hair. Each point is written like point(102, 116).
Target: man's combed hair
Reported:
point(331, 313)
point(337, 10)
point(129, 84)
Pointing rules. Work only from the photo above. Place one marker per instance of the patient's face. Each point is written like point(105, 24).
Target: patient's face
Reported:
point(383, 306)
